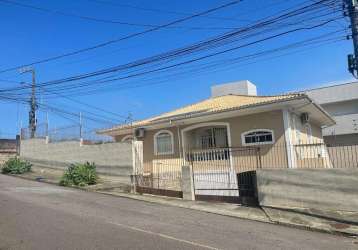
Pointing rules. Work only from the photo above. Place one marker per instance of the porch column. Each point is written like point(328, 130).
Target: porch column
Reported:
point(187, 183)
point(288, 139)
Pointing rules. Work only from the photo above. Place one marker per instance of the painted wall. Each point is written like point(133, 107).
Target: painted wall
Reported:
point(110, 158)
point(269, 156)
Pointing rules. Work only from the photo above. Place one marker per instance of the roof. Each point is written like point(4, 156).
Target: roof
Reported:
point(334, 93)
point(209, 106)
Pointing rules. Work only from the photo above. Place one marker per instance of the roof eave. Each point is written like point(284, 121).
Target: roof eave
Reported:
point(171, 120)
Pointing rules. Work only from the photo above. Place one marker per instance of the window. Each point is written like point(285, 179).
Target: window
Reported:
point(213, 138)
point(163, 143)
point(257, 137)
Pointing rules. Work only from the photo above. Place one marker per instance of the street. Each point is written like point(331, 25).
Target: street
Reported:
point(42, 216)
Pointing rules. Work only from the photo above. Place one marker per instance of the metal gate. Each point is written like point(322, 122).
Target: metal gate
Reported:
point(160, 176)
point(215, 172)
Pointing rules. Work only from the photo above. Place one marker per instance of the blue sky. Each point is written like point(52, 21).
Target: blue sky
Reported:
point(28, 35)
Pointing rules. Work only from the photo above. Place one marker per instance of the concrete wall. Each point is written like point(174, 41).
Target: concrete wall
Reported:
point(343, 140)
point(110, 158)
point(4, 156)
point(322, 189)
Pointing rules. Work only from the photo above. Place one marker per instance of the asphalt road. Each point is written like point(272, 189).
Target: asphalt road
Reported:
point(41, 216)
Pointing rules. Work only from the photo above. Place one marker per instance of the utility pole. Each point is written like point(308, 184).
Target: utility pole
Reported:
point(353, 15)
point(33, 103)
point(81, 129)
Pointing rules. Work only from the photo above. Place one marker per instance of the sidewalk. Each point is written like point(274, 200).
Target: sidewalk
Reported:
point(347, 225)
point(267, 215)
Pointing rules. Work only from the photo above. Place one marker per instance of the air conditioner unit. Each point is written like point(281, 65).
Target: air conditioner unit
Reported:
point(305, 118)
point(139, 133)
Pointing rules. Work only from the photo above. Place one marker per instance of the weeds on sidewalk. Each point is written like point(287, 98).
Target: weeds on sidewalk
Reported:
point(80, 175)
point(16, 166)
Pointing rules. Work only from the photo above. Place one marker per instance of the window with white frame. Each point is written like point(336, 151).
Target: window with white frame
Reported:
point(163, 143)
point(257, 137)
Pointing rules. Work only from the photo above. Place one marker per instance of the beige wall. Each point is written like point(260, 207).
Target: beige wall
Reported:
point(310, 154)
point(269, 120)
point(300, 131)
point(271, 156)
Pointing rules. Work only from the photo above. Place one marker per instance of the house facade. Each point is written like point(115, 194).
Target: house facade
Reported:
point(234, 129)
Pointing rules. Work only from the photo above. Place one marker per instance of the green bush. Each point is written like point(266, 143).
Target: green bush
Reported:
point(79, 175)
point(16, 166)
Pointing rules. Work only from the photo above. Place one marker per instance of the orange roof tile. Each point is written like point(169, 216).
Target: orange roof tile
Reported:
point(211, 105)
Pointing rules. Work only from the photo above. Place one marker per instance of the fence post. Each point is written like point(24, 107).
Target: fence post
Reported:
point(187, 183)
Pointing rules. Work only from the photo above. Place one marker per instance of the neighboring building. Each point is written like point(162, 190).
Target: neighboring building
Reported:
point(283, 126)
point(341, 102)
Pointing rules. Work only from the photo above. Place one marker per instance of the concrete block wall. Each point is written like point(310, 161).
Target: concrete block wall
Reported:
point(110, 158)
point(321, 189)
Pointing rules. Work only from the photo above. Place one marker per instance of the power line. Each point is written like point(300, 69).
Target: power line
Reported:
point(191, 48)
point(73, 100)
point(60, 111)
point(185, 51)
point(195, 59)
point(167, 11)
point(214, 54)
point(84, 104)
point(104, 44)
point(99, 20)
point(211, 68)
point(218, 64)
point(195, 47)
